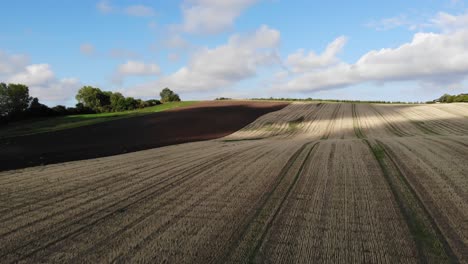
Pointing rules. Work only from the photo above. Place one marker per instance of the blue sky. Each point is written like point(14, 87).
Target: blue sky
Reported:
point(202, 49)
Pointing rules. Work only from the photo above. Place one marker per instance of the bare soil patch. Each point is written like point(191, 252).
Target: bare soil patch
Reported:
point(203, 121)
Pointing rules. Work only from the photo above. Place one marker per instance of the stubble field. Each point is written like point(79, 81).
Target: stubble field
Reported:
point(311, 183)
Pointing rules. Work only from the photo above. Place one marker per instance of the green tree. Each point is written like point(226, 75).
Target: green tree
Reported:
point(94, 98)
point(130, 103)
point(14, 99)
point(167, 95)
point(117, 102)
point(88, 96)
point(153, 102)
point(37, 109)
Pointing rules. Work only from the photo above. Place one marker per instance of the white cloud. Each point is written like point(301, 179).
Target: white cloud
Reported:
point(87, 49)
point(135, 68)
point(40, 79)
point(57, 91)
point(300, 62)
point(441, 21)
point(138, 68)
point(211, 16)
point(450, 23)
point(35, 74)
point(429, 58)
point(139, 10)
point(222, 66)
point(12, 63)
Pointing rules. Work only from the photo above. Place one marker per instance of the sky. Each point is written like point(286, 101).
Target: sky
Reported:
point(202, 49)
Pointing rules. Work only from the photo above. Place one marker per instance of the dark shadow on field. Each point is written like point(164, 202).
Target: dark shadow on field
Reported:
point(203, 121)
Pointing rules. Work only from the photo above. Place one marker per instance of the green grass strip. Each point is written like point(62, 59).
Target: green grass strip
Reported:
point(35, 126)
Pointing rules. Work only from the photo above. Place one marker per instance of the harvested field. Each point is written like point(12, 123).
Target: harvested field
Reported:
point(310, 183)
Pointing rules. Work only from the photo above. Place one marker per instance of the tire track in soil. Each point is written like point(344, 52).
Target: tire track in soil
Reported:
point(357, 127)
point(108, 169)
point(269, 224)
point(446, 126)
point(458, 190)
point(314, 114)
point(253, 225)
point(331, 123)
point(114, 180)
point(431, 245)
point(108, 208)
point(390, 127)
point(326, 208)
point(159, 230)
point(103, 195)
point(85, 202)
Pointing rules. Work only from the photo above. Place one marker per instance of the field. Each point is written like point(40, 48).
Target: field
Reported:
point(49, 124)
point(310, 183)
point(200, 121)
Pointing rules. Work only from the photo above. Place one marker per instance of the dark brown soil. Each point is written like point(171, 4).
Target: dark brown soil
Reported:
point(202, 121)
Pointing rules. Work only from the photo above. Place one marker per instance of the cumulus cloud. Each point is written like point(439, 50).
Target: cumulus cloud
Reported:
point(11, 63)
point(135, 68)
point(56, 91)
point(434, 58)
point(40, 78)
point(35, 74)
point(211, 16)
point(222, 66)
point(87, 49)
point(300, 62)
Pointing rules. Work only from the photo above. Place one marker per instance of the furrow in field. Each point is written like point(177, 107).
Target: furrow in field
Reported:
point(331, 122)
point(30, 243)
point(435, 121)
point(357, 123)
point(456, 109)
point(243, 243)
point(94, 184)
point(286, 123)
point(386, 184)
point(148, 221)
point(391, 122)
point(343, 128)
point(370, 123)
point(438, 178)
point(82, 202)
point(193, 224)
point(76, 178)
point(342, 211)
point(431, 244)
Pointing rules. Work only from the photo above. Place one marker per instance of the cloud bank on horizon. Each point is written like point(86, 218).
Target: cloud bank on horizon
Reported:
point(201, 52)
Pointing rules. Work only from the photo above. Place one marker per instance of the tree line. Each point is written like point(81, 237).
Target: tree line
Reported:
point(447, 98)
point(334, 100)
point(17, 104)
